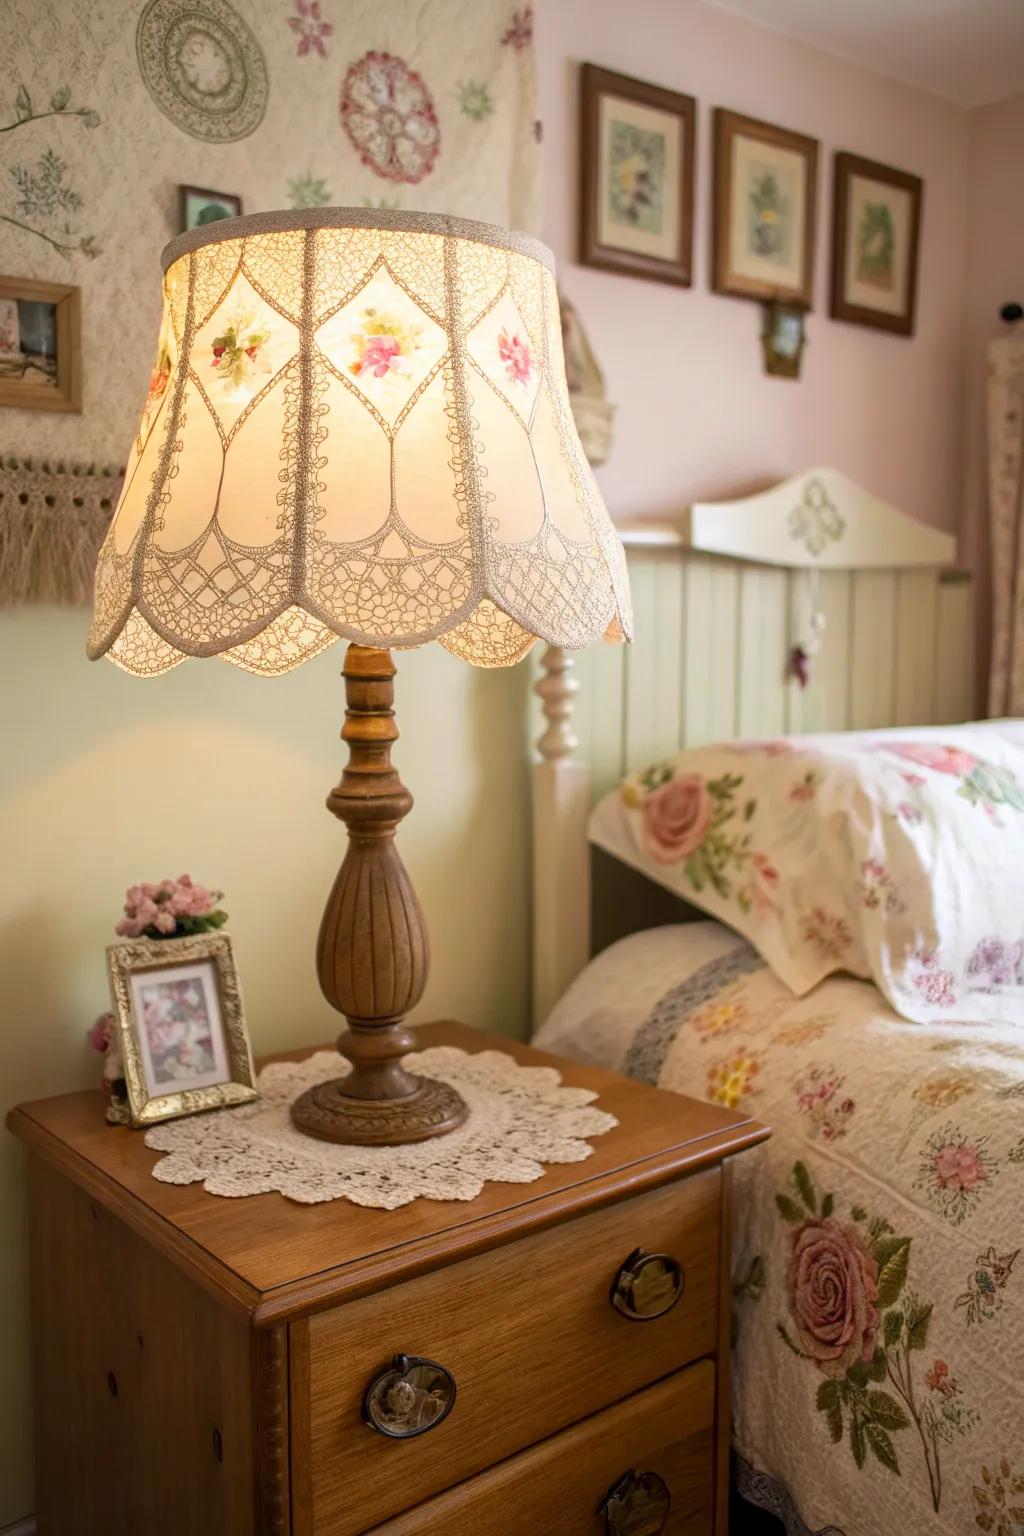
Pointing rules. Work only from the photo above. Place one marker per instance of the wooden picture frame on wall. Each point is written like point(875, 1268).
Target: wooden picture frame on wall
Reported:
point(636, 177)
point(765, 201)
point(876, 234)
point(40, 345)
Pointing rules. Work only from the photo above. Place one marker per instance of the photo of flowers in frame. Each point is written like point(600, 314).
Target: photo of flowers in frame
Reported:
point(766, 181)
point(40, 345)
point(636, 167)
point(183, 1039)
point(876, 229)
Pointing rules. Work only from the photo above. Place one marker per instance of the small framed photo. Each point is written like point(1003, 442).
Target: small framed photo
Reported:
point(783, 339)
point(40, 345)
point(636, 165)
point(766, 182)
point(876, 230)
point(184, 1044)
point(198, 206)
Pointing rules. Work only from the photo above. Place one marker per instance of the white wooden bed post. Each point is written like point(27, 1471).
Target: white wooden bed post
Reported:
point(561, 804)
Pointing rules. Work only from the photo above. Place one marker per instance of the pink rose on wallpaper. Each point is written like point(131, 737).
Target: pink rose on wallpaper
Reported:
point(940, 759)
point(833, 1287)
point(676, 818)
point(958, 1168)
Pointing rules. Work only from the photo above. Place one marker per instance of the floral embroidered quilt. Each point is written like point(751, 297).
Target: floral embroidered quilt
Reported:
point(878, 1270)
point(895, 855)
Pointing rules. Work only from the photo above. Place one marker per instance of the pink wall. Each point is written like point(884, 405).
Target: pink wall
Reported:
point(697, 417)
point(995, 275)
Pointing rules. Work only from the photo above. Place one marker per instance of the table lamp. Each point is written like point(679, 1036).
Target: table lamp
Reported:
point(358, 426)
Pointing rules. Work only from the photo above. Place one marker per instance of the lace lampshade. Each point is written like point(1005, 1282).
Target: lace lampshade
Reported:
point(357, 426)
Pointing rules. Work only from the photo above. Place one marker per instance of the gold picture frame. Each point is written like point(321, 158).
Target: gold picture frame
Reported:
point(181, 1026)
point(40, 345)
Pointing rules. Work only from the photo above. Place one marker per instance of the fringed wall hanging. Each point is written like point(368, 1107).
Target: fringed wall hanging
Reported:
point(52, 522)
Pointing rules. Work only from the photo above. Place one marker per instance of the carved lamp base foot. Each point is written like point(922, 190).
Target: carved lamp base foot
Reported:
point(331, 1114)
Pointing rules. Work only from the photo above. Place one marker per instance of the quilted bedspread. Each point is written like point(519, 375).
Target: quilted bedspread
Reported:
point(877, 1269)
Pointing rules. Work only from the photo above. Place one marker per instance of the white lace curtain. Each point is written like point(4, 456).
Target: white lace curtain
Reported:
point(1006, 505)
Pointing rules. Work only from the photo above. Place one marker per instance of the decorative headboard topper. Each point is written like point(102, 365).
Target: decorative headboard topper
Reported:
point(53, 518)
point(818, 518)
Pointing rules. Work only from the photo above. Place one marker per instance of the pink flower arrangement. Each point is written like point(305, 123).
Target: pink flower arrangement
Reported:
point(516, 356)
point(676, 818)
point(833, 1291)
point(381, 355)
point(958, 1168)
point(169, 910)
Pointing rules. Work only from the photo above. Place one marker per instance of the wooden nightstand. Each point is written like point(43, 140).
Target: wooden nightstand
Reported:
point(201, 1364)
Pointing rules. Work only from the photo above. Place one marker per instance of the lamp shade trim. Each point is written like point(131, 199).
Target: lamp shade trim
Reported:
point(394, 219)
point(356, 434)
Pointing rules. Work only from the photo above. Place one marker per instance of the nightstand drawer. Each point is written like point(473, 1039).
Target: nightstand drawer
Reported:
point(530, 1336)
point(560, 1486)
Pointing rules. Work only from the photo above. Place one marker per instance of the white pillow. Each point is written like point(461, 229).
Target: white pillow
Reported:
point(896, 855)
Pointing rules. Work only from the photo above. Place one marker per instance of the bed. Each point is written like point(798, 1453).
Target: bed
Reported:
point(894, 1178)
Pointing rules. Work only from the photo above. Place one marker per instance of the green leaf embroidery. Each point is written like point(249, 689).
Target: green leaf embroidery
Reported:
point(828, 1395)
point(882, 1446)
point(876, 1370)
point(828, 1205)
point(857, 1374)
point(892, 1255)
point(886, 1411)
point(23, 103)
point(805, 1189)
point(859, 1213)
point(893, 1328)
point(834, 1420)
point(789, 1208)
point(60, 99)
point(92, 119)
point(857, 1445)
point(917, 1327)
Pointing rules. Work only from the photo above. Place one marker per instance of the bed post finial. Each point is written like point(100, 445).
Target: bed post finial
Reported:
point(557, 689)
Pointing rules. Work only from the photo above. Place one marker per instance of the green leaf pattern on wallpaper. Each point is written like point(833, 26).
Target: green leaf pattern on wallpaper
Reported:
point(41, 190)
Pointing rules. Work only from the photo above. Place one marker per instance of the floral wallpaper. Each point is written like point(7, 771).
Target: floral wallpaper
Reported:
point(105, 111)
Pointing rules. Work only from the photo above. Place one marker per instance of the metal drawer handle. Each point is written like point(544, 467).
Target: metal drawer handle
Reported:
point(647, 1286)
point(638, 1505)
point(410, 1397)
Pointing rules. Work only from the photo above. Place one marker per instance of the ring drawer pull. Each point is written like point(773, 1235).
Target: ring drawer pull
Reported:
point(647, 1286)
point(410, 1397)
point(638, 1505)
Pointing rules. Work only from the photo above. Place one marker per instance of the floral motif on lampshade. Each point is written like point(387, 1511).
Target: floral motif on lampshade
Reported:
point(357, 426)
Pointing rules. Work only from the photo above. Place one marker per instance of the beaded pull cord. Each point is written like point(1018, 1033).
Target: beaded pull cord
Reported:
point(804, 651)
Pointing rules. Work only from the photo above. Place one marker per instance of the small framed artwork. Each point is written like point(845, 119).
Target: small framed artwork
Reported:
point(636, 166)
point(184, 1044)
point(783, 339)
point(198, 206)
point(40, 345)
point(766, 182)
point(876, 230)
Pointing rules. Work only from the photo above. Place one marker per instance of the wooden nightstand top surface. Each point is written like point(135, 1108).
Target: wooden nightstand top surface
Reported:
point(274, 1259)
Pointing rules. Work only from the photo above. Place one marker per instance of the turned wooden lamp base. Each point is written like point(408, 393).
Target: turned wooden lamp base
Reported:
point(373, 954)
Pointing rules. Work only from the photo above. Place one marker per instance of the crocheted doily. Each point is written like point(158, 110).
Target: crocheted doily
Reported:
point(519, 1119)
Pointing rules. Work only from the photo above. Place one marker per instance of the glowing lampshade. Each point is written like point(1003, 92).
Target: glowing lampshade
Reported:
point(357, 426)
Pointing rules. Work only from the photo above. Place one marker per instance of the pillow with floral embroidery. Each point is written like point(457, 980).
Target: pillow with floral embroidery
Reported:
point(896, 855)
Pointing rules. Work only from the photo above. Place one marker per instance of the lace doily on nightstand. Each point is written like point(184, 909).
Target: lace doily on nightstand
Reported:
point(519, 1119)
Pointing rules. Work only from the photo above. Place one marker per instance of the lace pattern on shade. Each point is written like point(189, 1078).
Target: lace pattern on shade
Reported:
point(358, 432)
point(520, 1118)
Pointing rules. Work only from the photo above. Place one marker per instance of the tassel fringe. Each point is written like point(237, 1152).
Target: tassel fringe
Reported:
point(53, 519)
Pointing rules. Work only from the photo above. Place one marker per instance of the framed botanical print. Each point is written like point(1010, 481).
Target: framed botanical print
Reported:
point(876, 232)
point(40, 345)
point(636, 165)
point(183, 1041)
point(766, 181)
